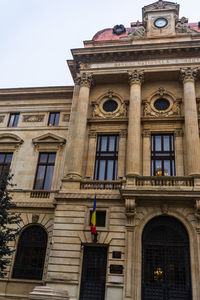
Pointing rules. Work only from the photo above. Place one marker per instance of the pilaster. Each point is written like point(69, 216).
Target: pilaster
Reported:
point(146, 153)
point(91, 154)
point(178, 144)
point(122, 153)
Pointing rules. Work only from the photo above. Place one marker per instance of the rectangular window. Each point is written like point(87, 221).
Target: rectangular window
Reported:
point(100, 218)
point(162, 155)
point(106, 157)
point(13, 120)
point(5, 161)
point(54, 119)
point(44, 174)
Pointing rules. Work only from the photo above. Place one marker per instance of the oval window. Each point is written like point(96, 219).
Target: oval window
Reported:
point(161, 104)
point(110, 105)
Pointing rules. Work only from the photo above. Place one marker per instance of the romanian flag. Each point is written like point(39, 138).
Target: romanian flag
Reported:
point(93, 218)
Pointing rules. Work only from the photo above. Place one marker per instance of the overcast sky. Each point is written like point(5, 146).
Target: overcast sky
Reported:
point(36, 35)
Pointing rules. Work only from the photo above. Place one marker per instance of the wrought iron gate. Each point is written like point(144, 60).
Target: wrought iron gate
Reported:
point(166, 261)
point(93, 273)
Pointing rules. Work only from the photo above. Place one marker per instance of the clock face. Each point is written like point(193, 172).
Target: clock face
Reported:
point(160, 22)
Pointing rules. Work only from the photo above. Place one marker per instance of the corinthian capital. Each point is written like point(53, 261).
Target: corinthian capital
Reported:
point(188, 74)
point(136, 76)
point(85, 79)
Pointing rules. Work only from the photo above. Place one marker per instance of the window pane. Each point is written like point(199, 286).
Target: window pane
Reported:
point(52, 157)
point(158, 167)
point(16, 120)
point(111, 143)
point(2, 157)
point(116, 162)
point(110, 170)
point(48, 178)
point(8, 157)
point(56, 119)
point(173, 168)
point(11, 121)
point(103, 143)
point(40, 177)
point(43, 157)
point(157, 143)
point(102, 166)
point(166, 142)
point(51, 119)
point(167, 171)
point(172, 143)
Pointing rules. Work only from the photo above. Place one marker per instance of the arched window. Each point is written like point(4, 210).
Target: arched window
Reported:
point(30, 256)
point(166, 260)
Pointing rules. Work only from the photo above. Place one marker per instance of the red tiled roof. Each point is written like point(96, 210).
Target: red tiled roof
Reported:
point(108, 35)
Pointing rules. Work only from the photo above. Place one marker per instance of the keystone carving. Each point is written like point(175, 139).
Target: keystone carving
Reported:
point(35, 218)
point(130, 210)
point(136, 76)
point(85, 79)
point(188, 74)
point(164, 207)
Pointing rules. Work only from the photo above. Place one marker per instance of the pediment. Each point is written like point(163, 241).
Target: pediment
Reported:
point(161, 5)
point(49, 138)
point(9, 138)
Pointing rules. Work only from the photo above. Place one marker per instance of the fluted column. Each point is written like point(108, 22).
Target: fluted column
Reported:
point(146, 153)
point(188, 76)
point(178, 143)
point(92, 143)
point(80, 123)
point(122, 153)
point(133, 162)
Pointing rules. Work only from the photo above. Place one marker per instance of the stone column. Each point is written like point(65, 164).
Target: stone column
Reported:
point(122, 153)
point(178, 144)
point(188, 76)
point(91, 154)
point(146, 153)
point(71, 125)
point(74, 169)
point(133, 157)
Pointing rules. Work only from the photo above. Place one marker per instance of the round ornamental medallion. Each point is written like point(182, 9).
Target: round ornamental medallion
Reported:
point(161, 104)
point(110, 105)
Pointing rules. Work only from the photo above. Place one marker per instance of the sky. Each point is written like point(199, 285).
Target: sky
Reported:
point(36, 35)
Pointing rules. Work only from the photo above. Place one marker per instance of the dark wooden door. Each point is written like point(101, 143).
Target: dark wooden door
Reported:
point(166, 261)
point(93, 273)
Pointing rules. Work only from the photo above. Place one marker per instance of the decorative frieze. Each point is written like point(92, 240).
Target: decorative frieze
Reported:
point(85, 79)
point(188, 74)
point(2, 119)
point(65, 117)
point(33, 118)
point(136, 76)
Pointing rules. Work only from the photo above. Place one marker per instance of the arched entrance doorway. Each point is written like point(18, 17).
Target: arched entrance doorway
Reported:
point(165, 260)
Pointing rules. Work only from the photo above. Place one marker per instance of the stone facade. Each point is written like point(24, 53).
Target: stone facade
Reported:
point(148, 76)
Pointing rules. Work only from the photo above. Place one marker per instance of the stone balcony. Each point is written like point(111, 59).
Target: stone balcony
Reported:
point(144, 183)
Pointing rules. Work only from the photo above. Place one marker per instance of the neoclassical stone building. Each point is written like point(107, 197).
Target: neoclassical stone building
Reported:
point(127, 132)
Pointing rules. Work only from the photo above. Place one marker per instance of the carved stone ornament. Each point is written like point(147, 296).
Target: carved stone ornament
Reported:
point(85, 79)
point(181, 27)
point(197, 209)
point(35, 218)
point(66, 117)
point(188, 74)
point(119, 112)
point(136, 76)
point(164, 207)
point(173, 107)
point(33, 118)
point(2, 119)
point(160, 4)
point(138, 33)
point(130, 210)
